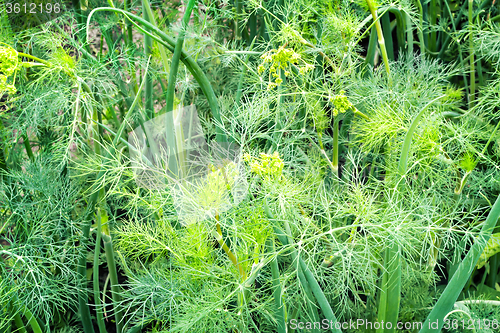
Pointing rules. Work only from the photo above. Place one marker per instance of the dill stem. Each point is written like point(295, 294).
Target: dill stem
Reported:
point(386, 27)
point(97, 298)
point(29, 56)
point(471, 54)
point(113, 277)
point(371, 50)
point(335, 157)
point(492, 276)
point(322, 151)
point(278, 302)
point(3, 163)
point(359, 113)
point(244, 68)
point(104, 289)
point(433, 13)
point(420, 32)
point(148, 50)
point(401, 28)
point(127, 37)
point(161, 48)
point(380, 34)
point(405, 151)
point(237, 27)
point(174, 67)
point(409, 36)
point(458, 47)
point(81, 270)
point(231, 256)
point(455, 22)
point(27, 145)
point(96, 137)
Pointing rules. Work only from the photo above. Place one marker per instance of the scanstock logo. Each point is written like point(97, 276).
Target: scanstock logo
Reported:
point(171, 151)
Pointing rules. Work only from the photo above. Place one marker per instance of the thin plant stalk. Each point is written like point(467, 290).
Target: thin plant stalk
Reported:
point(380, 34)
point(420, 32)
point(492, 276)
point(244, 68)
point(3, 162)
point(433, 13)
point(27, 146)
point(96, 132)
point(81, 270)
point(122, 28)
point(173, 142)
point(282, 237)
point(253, 26)
point(371, 50)
point(83, 296)
point(237, 25)
point(113, 272)
point(458, 16)
point(161, 48)
point(405, 151)
point(335, 157)
point(128, 38)
point(459, 47)
point(78, 14)
point(148, 49)
point(97, 293)
point(471, 58)
point(278, 302)
point(218, 235)
point(409, 36)
point(401, 27)
point(152, 143)
point(320, 296)
point(386, 26)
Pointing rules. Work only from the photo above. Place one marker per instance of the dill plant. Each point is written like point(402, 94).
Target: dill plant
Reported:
point(371, 165)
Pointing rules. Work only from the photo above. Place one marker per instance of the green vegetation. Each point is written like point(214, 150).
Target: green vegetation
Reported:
point(251, 166)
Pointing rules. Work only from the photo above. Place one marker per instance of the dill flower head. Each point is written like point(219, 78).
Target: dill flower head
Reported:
point(8, 66)
point(340, 103)
point(267, 166)
point(280, 60)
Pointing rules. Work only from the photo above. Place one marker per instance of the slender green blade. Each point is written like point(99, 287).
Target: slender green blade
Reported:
point(435, 319)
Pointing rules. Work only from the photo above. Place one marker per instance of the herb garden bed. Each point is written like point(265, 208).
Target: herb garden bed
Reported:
point(250, 166)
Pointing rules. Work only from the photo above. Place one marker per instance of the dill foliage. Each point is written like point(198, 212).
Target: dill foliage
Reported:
point(342, 162)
